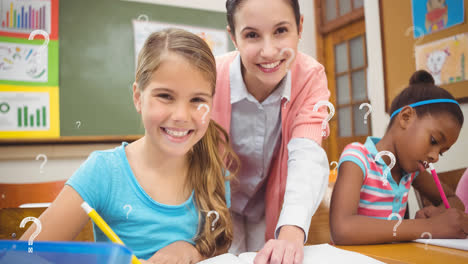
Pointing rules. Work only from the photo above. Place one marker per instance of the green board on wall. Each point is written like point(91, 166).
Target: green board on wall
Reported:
point(97, 62)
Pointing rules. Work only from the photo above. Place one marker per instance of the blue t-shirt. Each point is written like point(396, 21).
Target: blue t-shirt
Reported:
point(106, 182)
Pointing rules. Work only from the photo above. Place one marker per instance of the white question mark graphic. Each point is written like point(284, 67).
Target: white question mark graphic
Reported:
point(330, 115)
point(78, 124)
point(368, 111)
point(129, 208)
point(336, 165)
point(41, 168)
point(291, 57)
point(44, 45)
point(389, 167)
point(144, 18)
point(34, 235)
point(206, 113)
point(430, 237)
point(397, 224)
point(214, 221)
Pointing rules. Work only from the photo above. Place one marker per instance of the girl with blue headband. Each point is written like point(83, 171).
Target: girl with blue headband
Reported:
point(368, 198)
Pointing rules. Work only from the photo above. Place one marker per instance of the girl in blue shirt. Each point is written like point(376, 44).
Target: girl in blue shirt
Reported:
point(156, 192)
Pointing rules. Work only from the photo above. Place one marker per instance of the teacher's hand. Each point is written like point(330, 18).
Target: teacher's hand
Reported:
point(287, 249)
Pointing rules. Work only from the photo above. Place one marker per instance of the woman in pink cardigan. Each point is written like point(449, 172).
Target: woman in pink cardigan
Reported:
point(265, 95)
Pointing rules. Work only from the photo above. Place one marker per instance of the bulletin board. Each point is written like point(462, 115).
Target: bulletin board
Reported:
point(398, 46)
point(29, 72)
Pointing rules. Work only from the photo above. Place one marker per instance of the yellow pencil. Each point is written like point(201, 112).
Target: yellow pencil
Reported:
point(97, 219)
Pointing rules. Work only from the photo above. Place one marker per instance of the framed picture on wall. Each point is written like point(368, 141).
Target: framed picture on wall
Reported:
point(445, 59)
point(434, 15)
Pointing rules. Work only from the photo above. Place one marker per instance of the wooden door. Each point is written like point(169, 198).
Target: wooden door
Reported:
point(346, 68)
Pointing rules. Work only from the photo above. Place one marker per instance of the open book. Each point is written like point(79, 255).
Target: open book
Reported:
point(317, 254)
point(461, 244)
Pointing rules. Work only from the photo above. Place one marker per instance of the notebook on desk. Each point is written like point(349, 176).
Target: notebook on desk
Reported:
point(323, 253)
point(461, 244)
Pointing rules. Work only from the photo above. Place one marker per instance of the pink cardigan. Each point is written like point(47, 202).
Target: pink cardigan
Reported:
point(309, 85)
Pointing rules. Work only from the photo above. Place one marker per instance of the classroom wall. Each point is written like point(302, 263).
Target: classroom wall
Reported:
point(308, 43)
point(212, 5)
point(18, 163)
point(455, 158)
point(375, 76)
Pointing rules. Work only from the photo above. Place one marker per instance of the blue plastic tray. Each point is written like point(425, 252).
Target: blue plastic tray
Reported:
point(16, 252)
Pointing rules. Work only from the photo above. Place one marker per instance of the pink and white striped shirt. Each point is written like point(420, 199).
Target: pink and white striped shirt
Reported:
point(376, 199)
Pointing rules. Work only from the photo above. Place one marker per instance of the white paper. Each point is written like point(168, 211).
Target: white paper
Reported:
point(227, 258)
point(317, 254)
point(248, 257)
point(450, 243)
point(325, 253)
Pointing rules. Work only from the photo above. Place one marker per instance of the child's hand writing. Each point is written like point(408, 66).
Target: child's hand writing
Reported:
point(452, 223)
point(430, 211)
point(179, 252)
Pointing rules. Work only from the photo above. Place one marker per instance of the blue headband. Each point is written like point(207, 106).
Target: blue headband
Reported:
point(432, 101)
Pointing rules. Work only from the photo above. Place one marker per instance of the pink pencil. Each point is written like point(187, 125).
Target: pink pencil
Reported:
point(439, 186)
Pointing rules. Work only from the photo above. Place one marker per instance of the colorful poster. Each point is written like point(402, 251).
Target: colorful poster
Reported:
point(18, 18)
point(29, 62)
point(27, 113)
point(433, 15)
point(445, 59)
point(29, 69)
point(24, 111)
point(21, 62)
point(217, 39)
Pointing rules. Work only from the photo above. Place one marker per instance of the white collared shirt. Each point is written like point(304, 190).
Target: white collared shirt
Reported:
point(255, 136)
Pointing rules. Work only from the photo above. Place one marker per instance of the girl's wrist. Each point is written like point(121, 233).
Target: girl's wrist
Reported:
point(426, 226)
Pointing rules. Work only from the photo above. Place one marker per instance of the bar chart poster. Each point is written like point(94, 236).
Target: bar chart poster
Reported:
point(24, 114)
point(18, 18)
